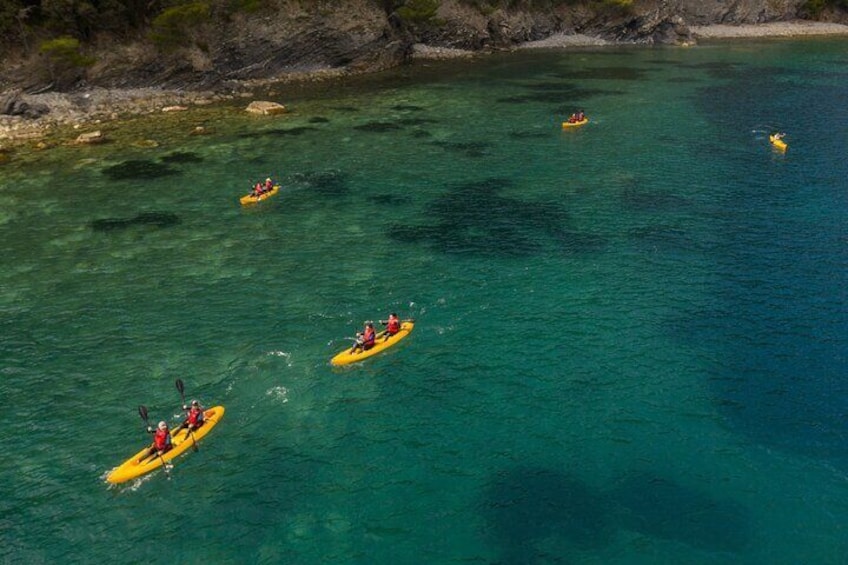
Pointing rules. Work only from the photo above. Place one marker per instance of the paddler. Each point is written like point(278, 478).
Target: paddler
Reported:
point(365, 339)
point(194, 417)
point(161, 440)
point(392, 326)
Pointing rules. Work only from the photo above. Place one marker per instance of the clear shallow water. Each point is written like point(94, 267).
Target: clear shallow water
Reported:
point(630, 340)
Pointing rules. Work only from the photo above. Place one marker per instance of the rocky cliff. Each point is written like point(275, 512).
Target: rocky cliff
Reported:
point(361, 35)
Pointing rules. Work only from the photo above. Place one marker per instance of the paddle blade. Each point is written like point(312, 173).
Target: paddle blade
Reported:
point(142, 411)
point(180, 386)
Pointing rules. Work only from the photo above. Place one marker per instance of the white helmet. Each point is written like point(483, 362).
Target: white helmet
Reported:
point(163, 425)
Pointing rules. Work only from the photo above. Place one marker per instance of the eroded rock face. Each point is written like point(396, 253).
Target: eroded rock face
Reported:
point(14, 104)
point(706, 12)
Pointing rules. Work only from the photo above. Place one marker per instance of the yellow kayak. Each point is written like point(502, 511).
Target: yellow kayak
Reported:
point(140, 464)
point(578, 123)
point(778, 143)
point(248, 199)
point(346, 357)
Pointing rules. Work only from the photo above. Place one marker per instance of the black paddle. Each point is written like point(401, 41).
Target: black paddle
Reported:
point(142, 411)
point(181, 388)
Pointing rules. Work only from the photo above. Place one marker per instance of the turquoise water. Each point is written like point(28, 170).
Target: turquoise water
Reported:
point(630, 341)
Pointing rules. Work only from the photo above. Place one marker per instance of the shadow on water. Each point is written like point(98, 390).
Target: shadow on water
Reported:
point(324, 183)
point(474, 218)
point(608, 73)
point(661, 508)
point(537, 515)
point(387, 199)
point(550, 93)
point(635, 197)
point(146, 219)
point(279, 132)
point(139, 169)
point(178, 157)
point(416, 121)
point(525, 506)
point(377, 127)
point(473, 149)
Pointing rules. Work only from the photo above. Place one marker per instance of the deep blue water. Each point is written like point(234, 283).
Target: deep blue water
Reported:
point(630, 340)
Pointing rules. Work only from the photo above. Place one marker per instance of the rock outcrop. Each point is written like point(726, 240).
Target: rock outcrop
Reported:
point(13, 104)
point(264, 108)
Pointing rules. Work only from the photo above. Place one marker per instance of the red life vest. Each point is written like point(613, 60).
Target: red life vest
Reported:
point(370, 337)
point(162, 440)
point(195, 417)
point(393, 326)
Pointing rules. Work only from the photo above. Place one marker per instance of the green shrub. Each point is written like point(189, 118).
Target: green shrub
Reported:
point(247, 6)
point(173, 27)
point(63, 52)
point(418, 11)
point(814, 8)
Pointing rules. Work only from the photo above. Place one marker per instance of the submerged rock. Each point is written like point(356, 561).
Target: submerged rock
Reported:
point(91, 138)
point(266, 108)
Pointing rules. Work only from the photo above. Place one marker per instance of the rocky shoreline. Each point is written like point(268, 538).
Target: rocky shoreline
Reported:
point(85, 110)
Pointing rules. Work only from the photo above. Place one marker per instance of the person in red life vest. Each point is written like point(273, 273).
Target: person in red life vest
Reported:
point(365, 339)
point(392, 326)
point(194, 417)
point(268, 185)
point(161, 440)
point(258, 189)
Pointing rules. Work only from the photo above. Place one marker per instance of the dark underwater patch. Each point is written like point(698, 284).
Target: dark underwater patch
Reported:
point(387, 199)
point(660, 238)
point(635, 197)
point(324, 183)
point(528, 135)
point(716, 69)
point(139, 169)
point(421, 134)
point(408, 108)
point(607, 73)
point(661, 508)
point(146, 219)
point(281, 132)
point(377, 127)
point(528, 505)
point(474, 149)
point(548, 95)
point(319, 120)
point(473, 218)
point(181, 157)
point(416, 121)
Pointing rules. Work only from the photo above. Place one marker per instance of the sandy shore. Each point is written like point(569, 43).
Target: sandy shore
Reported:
point(86, 110)
point(773, 29)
